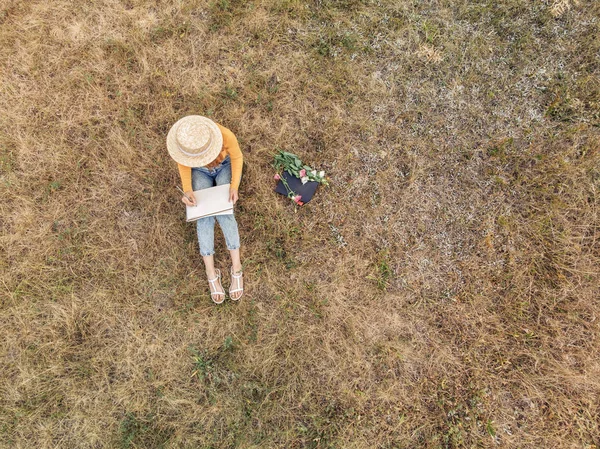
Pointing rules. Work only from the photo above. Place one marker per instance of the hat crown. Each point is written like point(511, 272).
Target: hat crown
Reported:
point(193, 137)
point(194, 141)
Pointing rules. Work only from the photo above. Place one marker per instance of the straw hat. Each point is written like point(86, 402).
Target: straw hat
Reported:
point(194, 141)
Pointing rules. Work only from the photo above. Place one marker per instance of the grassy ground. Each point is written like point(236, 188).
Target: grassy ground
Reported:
point(442, 293)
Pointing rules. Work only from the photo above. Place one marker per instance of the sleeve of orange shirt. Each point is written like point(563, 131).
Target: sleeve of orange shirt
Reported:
point(232, 147)
point(185, 173)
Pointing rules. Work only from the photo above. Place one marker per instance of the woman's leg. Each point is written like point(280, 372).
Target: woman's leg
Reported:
point(229, 227)
point(232, 236)
point(216, 289)
point(227, 222)
point(209, 264)
point(232, 239)
point(205, 229)
point(236, 263)
point(237, 280)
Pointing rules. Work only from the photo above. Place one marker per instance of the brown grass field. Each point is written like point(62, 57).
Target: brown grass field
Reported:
point(441, 293)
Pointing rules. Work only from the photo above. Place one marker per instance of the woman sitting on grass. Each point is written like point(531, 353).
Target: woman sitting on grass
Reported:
point(208, 154)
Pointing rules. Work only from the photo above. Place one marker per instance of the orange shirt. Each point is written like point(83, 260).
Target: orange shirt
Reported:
point(230, 148)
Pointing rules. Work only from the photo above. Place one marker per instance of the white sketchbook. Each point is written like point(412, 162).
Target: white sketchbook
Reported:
point(210, 202)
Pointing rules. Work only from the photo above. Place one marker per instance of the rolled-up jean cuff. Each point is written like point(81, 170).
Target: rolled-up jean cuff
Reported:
point(206, 255)
point(235, 247)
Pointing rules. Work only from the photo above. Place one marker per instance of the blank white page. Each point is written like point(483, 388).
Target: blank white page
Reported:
point(211, 201)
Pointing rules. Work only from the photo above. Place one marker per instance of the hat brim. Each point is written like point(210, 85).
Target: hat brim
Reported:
point(209, 155)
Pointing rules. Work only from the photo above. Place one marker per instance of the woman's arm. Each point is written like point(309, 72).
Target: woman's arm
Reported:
point(186, 177)
point(231, 145)
point(186, 181)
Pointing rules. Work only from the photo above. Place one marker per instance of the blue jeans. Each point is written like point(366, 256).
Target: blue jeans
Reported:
point(203, 178)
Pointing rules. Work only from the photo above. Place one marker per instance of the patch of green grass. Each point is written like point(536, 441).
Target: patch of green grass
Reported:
point(561, 107)
point(332, 44)
point(431, 31)
point(251, 322)
point(54, 186)
point(321, 424)
point(383, 272)
point(500, 148)
point(489, 426)
point(231, 93)
point(222, 13)
point(277, 247)
point(170, 30)
point(228, 344)
point(463, 413)
point(142, 431)
point(203, 364)
point(315, 303)
point(129, 428)
point(341, 5)
point(7, 159)
point(122, 54)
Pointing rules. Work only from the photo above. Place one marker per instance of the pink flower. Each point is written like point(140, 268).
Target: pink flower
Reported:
point(297, 199)
point(302, 173)
point(276, 177)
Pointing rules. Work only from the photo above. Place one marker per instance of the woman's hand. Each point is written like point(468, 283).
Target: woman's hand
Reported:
point(233, 196)
point(186, 201)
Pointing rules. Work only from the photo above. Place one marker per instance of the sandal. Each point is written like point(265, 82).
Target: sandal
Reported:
point(216, 292)
point(239, 288)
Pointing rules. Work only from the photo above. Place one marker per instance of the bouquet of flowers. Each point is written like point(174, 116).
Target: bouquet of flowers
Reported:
point(309, 178)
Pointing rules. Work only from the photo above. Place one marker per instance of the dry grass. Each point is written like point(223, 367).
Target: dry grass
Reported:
point(560, 7)
point(442, 293)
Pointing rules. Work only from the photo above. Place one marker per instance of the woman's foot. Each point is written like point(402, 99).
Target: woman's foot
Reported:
point(237, 284)
point(217, 293)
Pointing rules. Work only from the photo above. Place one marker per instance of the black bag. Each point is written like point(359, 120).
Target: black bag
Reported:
point(306, 191)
